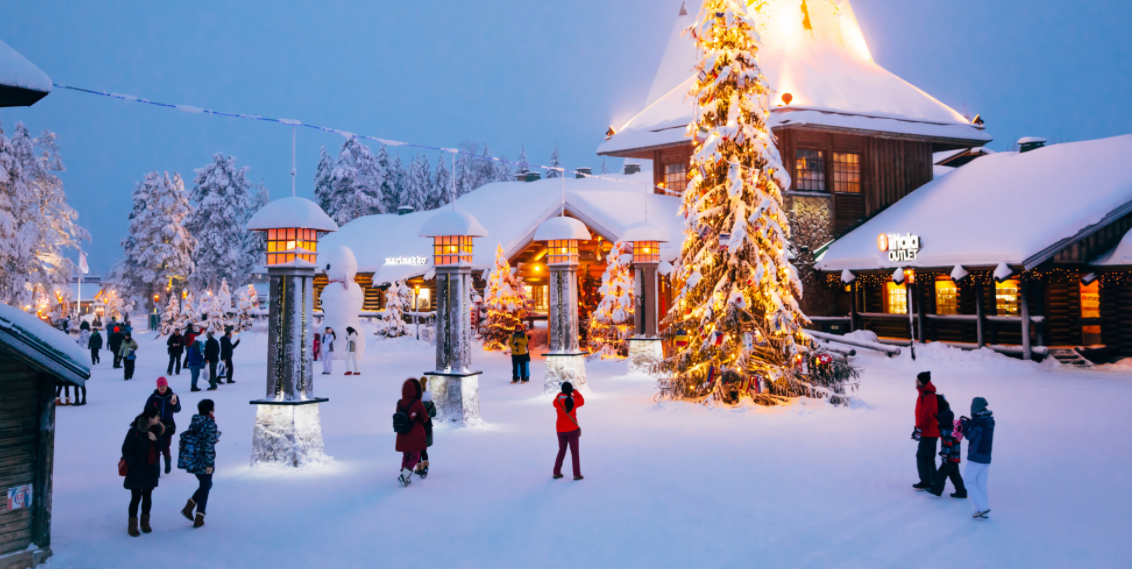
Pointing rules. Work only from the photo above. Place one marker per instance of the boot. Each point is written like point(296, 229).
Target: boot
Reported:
point(58, 401)
point(959, 494)
point(406, 477)
point(199, 521)
point(424, 470)
point(68, 401)
point(145, 524)
point(133, 527)
point(187, 511)
point(579, 477)
point(168, 465)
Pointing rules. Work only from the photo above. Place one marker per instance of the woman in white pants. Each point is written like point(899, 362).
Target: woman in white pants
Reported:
point(327, 354)
point(352, 352)
point(979, 430)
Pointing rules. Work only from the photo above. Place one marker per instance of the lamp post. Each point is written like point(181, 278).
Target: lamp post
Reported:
point(645, 348)
point(565, 361)
point(454, 384)
point(288, 429)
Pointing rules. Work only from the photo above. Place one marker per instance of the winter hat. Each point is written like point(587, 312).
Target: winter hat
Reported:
point(924, 377)
point(567, 387)
point(978, 404)
point(162, 382)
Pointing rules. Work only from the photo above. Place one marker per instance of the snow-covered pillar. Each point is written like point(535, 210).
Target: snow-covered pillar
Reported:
point(645, 348)
point(454, 384)
point(288, 430)
point(565, 361)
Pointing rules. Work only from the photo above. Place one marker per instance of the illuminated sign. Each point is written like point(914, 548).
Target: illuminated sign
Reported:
point(899, 247)
point(406, 260)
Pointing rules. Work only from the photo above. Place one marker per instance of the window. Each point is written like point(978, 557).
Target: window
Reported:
point(810, 171)
point(946, 296)
point(847, 173)
point(1006, 298)
point(285, 245)
point(424, 299)
point(452, 249)
point(562, 251)
point(676, 176)
point(895, 298)
point(537, 296)
point(1091, 309)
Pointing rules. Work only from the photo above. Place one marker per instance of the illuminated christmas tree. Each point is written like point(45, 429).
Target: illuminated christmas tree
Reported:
point(736, 323)
point(189, 315)
point(505, 299)
point(171, 316)
point(245, 303)
point(611, 323)
point(213, 310)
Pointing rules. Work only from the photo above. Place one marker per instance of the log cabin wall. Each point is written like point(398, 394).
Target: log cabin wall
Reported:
point(1063, 313)
point(662, 157)
point(22, 451)
point(1116, 316)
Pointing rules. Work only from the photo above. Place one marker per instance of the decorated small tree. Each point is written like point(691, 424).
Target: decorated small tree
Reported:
point(588, 299)
point(170, 319)
point(245, 304)
point(505, 299)
point(214, 314)
point(224, 296)
point(397, 298)
point(113, 303)
point(611, 323)
point(189, 314)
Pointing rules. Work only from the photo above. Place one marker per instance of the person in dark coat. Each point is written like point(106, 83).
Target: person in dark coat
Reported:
point(949, 452)
point(167, 404)
point(520, 355)
point(176, 347)
point(430, 408)
point(198, 457)
point(97, 321)
point(226, 349)
point(95, 345)
point(115, 332)
point(84, 326)
point(140, 450)
point(317, 345)
point(212, 357)
point(194, 360)
point(128, 355)
point(411, 444)
point(979, 430)
point(566, 405)
point(926, 430)
point(187, 340)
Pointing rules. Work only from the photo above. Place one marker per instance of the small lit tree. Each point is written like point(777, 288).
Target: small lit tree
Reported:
point(189, 313)
point(245, 304)
point(171, 318)
point(213, 311)
point(113, 304)
point(505, 299)
point(611, 323)
point(225, 297)
point(397, 298)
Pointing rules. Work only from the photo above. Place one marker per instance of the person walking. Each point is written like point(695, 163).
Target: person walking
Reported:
point(949, 452)
point(212, 357)
point(226, 349)
point(187, 339)
point(430, 409)
point(317, 345)
point(128, 355)
point(197, 456)
point(411, 438)
point(175, 347)
point(114, 340)
point(979, 430)
point(328, 337)
point(566, 405)
point(140, 450)
point(84, 336)
point(97, 321)
point(194, 360)
point(926, 430)
point(166, 403)
point(520, 355)
point(95, 345)
point(352, 351)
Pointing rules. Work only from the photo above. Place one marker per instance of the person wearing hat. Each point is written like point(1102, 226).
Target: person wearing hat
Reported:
point(128, 354)
point(166, 402)
point(926, 430)
point(566, 405)
point(979, 430)
point(520, 355)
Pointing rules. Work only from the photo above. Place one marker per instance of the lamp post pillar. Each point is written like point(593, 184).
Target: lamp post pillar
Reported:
point(645, 348)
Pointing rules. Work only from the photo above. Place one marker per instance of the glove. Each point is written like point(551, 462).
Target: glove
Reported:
point(916, 434)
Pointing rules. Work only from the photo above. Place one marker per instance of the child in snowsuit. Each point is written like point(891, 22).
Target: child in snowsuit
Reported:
point(95, 344)
point(411, 444)
point(327, 345)
point(979, 430)
point(426, 399)
point(949, 452)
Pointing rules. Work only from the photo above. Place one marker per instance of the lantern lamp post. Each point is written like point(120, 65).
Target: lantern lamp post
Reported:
point(565, 361)
point(645, 349)
point(454, 384)
point(288, 429)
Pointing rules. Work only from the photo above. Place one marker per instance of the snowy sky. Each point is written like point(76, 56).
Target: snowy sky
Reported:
point(504, 72)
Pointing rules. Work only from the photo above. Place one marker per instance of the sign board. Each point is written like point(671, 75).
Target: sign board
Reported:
point(19, 497)
point(899, 247)
point(420, 261)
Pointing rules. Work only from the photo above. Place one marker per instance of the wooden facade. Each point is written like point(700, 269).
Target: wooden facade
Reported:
point(1116, 314)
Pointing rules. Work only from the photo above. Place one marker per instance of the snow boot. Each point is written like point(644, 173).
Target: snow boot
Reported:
point(199, 521)
point(187, 511)
point(981, 515)
point(145, 524)
point(230, 381)
point(406, 477)
point(194, 389)
point(921, 485)
point(168, 465)
point(133, 528)
point(934, 493)
point(579, 477)
point(348, 373)
point(422, 469)
point(958, 495)
point(557, 476)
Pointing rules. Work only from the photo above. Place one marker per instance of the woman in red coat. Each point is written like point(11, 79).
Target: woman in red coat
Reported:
point(411, 444)
point(569, 432)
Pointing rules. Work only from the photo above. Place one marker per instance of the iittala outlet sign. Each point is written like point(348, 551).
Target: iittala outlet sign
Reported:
point(899, 247)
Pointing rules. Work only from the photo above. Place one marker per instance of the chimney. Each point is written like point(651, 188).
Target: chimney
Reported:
point(583, 172)
point(1029, 143)
point(632, 168)
point(402, 210)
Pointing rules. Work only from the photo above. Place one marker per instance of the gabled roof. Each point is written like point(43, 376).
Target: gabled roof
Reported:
point(41, 346)
point(1018, 209)
point(814, 50)
point(21, 82)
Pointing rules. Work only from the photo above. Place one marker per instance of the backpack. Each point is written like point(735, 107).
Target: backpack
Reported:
point(401, 423)
point(187, 453)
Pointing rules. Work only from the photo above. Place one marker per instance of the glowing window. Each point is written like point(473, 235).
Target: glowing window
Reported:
point(676, 176)
point(847, 173)
point(646, 251)
point(1091, 300)
point(895, 298)
point(946, 296)
point(286, 245)
point(810, 168)
point(452, 249)
point(562, 251)
point(1006, 298)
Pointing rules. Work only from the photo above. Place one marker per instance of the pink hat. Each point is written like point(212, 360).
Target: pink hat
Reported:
point(162, 382)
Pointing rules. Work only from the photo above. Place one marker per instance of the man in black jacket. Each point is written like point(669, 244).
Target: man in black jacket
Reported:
point(212, 356)
point(115, 333)
point(176, 347)
point(226, 348)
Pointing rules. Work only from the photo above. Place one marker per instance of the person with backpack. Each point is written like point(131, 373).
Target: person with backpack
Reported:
point(140, 451)
point(128, 355)
point(566, 405)
point(227, 347)
point(166, 403)
point(949, 451)
point(212, 357)
point(926, 430)
point(979, 430)
point(352, 351)
point(430, 408)
point(328, 337)
point(194, 360)
point(197, 456)
point(520, 355)
point(95, 345)
point(409, 424)
point(175, 346)
point(114, 340)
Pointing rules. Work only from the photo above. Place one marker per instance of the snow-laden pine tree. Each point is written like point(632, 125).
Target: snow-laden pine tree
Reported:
point(736, 292)
point(224, 297)
point(485, 167)
point(355, 184)
point(159, 248)
point(554, 163)
point(214, 313)
point(223, 198)
point(611, 323)
point(398, 298)
point(254, 242)
point(400, 177)
point(386, 180)
point(441, 192)
point(189, 312)
point(245, 303)
point(522, 161)
point(324, 181)
point(505, 304)
point(418, 184)
point(502, 170)
point(171, 317)
point(113, 307)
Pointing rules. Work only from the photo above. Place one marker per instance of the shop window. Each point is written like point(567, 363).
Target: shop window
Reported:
point(1006, 298)
point(1091, 308)
point(810, 168)
point(946, 296)
point(676, 176)
point(847, 173)
point(895, 298)
point(424, 300)
point(536, 295)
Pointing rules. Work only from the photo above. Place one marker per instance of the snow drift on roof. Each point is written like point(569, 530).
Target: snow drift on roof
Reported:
point(51, 342)
point(17, 71)
point(1121, 255)
point(561, 229)
point(1003, 208)
point(453, 223)
point(291, 212)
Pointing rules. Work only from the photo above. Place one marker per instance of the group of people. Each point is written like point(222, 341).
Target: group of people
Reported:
point(324, 350)
point(150, 437)
point(122, 347)
point(192, 352)
point(936, 423)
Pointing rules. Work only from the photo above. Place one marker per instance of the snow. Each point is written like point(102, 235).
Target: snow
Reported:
point(1027, 204)
point(291, 212)
point(452, 222)
point(1030, 140)
point(804, 485)
point(559, 228)
point(645, 232)
point(42, 336)
point(17, 71)
point(1121, 255)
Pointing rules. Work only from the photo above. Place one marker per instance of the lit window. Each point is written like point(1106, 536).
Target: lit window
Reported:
point(810, 168)
point(285, 245)
point(895, 298)
point(1006, 298)
point(847, 173)
point(646, 251)
point(946, 296)
point(562, 251)
point(676, 176)
point(424, 299)
point(1091, 300)
point(452, 249)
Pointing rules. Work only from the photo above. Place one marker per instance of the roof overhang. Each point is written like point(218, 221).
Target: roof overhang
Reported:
point(45, 363)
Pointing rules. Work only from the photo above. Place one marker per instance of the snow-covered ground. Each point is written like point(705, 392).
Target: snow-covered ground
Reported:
point(667, 485)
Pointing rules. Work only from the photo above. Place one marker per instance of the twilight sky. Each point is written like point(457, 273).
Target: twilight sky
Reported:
point(504, 72)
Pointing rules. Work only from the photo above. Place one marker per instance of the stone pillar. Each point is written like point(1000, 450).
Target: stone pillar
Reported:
point(288, 429)
point(565, 361)
point(645, 349)
point(454, 385)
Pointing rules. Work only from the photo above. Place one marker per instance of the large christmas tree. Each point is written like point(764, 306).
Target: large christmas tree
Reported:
point(506, 304)
point(611, 323)
point(735, 322)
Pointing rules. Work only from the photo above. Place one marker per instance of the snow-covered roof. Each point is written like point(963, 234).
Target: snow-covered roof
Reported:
point(47, 347)
point(1007, 207)
point(21, 82)
point(454, 223)
point(562, 228)
point(645, 232)
point(1118, 256)
point(825, 67)
point(510, 212)
point(291, 212)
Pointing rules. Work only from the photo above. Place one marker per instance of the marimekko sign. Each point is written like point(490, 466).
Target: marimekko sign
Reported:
point(19, 497)
point(406, 260)
point(899, 247)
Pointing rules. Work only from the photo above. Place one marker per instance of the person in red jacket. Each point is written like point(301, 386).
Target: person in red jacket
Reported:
point(411, 444)
point(566, 405)
point(926, 431)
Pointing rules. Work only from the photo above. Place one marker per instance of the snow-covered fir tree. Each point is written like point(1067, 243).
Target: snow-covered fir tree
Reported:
point(505, 301)
point(254, 242)
point(112, 305)
point(386, 178)
point(223, 198)
point(324, 181)
point(215, 314)
point(398, 298)
point(189, 312)
point(441, 191)
point(171, 317)
point(611, 323)
point(224, 297)
point(485, 167)
point(400, 178)
point(522, 161)
point(245, 303)
point(502, 170)
point(418, 184)
point(554, 163)
point(159, 247)
point(355, 184)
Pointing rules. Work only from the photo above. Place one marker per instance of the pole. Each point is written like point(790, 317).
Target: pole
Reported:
point(454, 180)
point(1024, 308)
point(293, 161)
point(911, 321)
